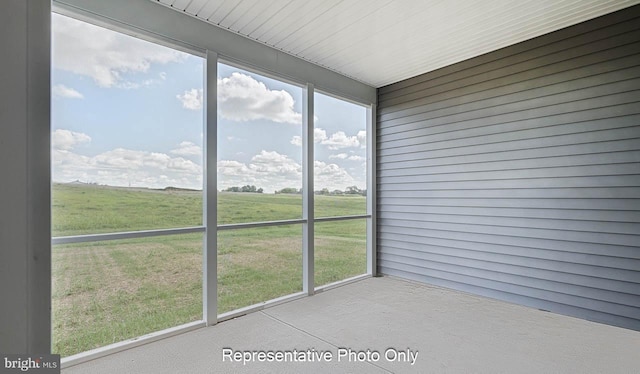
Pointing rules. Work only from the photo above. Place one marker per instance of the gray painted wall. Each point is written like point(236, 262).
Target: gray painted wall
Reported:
point(25, 223)
point(516, 175)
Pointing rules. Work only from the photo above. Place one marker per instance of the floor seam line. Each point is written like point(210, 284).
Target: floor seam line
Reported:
point(316, 337)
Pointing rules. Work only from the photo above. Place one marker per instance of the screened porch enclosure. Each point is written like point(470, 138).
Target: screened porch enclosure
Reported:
point(187, 177)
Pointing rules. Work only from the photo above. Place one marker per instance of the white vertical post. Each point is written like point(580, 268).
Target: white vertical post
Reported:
point(371, 192)
point(210, 191)
point(307, 190)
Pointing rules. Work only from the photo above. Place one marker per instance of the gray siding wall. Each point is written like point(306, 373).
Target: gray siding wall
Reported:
point(516, 175)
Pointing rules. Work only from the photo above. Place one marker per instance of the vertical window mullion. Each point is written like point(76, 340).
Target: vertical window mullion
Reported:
point(371, 191)
point(307, 190)
point(210, 183)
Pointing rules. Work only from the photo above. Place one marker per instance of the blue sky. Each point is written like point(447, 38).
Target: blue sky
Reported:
point(127, 112)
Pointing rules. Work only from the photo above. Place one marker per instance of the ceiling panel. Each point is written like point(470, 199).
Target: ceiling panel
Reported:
point(195, 6)
point(380, 42)
point(273, 8)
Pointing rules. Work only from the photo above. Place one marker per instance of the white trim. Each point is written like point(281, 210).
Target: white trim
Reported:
point(341, 283)
point(308, 195)
point(210, 204)
point(249, 225)
point(341, 218)
point(93, 354)
point(256, 70)
point(342, 98)
point(131, 30)
point(124, 235)
point(150, 18)
point(188, 230)
point(372, 247)
point(260, 306)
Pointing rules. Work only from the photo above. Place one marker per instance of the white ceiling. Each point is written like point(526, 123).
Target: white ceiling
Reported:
point(379, 42)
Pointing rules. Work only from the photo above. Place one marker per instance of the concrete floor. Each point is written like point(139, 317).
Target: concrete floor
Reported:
point(452, 332)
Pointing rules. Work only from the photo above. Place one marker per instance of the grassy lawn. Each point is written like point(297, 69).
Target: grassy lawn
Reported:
point(105, 292)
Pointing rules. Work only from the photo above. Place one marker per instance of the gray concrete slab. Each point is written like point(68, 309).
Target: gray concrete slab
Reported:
point(201, 351)
point(452, 332)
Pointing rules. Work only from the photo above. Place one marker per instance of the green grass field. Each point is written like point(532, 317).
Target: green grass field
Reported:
point(105, 292)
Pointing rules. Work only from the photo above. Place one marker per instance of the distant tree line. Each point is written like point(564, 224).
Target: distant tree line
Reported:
point(289, 190)
point(351, 190)
point(246, 188)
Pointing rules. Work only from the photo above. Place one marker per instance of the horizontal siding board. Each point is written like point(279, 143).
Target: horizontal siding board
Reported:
point(529, 232)
point(623, 281)
point(545, 138)
point(553, 291)
point(576, 247)
point(538, 303)
point(629, 168)
point(538, 223)
point(518, 183)
point(596, 113)
point(557, 280)
point(541, 144)
point(598, 149)
point(574, 101)
point(586, 263)
point(581, 76)
point(607, 216)
point(598, 69)
point(433, 167)
point(507, 141)
point(624, 199)
point(516, 174)
point(464, 138)
point(541, 303)
point(614, 117)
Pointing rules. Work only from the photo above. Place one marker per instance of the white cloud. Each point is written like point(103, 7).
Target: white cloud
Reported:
point(187, 149)
point(60, 90)
point(242, 98)
point(66, 140)
point(232, 167)
point(269, 170)
point(319, 136)
point(127, 159)
point(340, 140)
point(182, 165)
point(274, 171)
point(275, 164)
point(104, 55)
point(340, 156)
point(192, 99)
point(126, 167)
point(296, 140)
point(344, 156)
point(331, 176)
point(362, 138)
